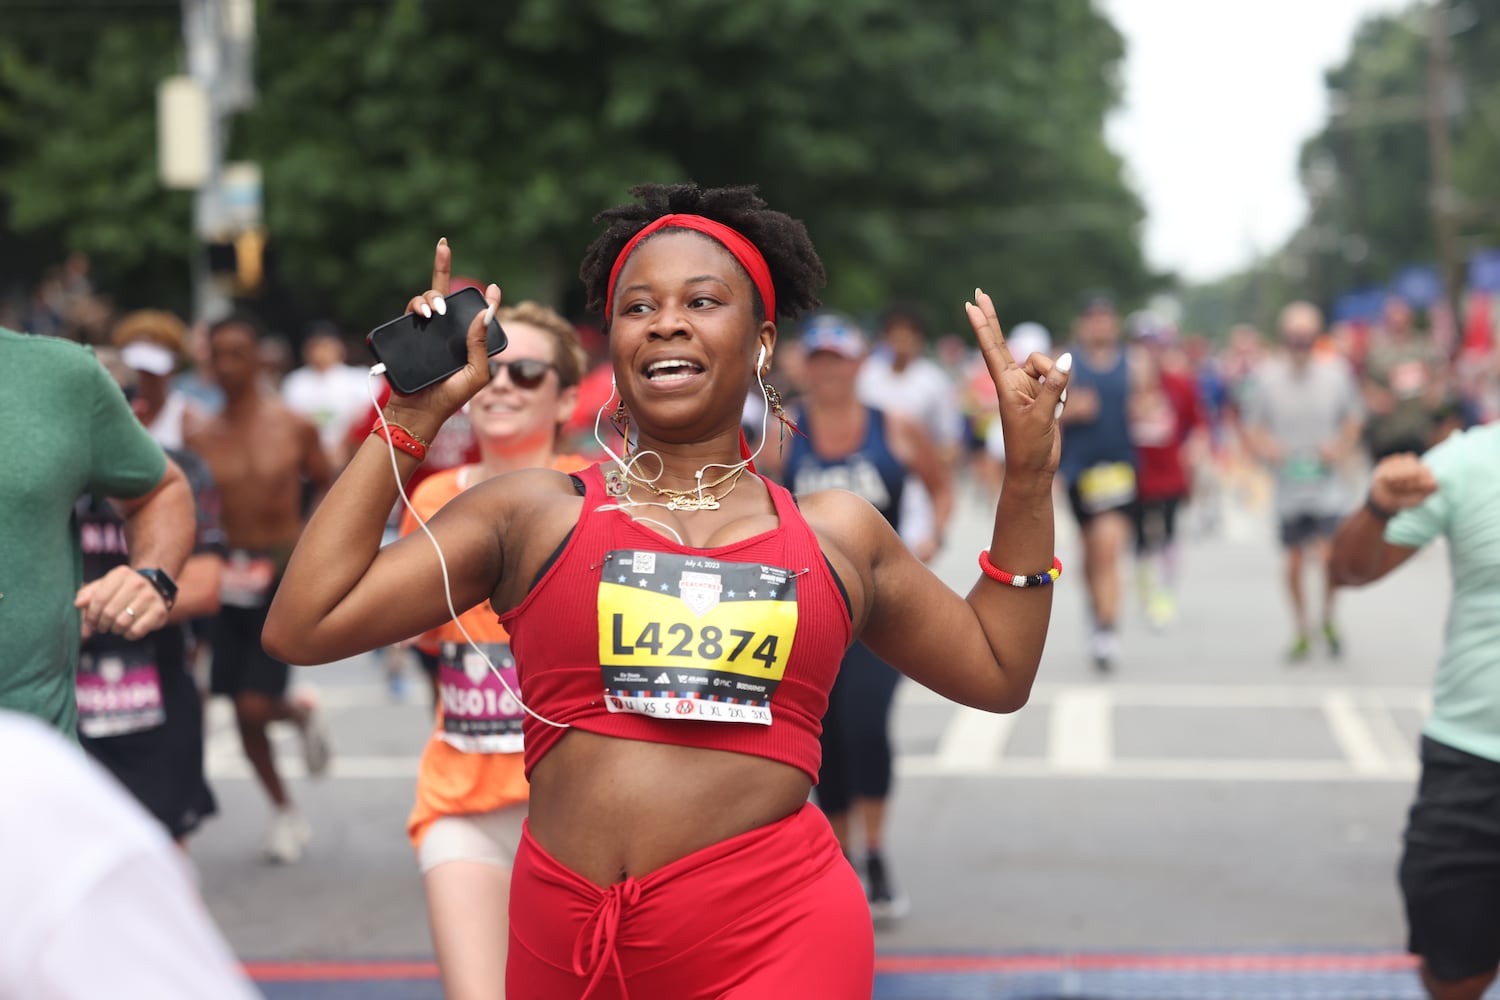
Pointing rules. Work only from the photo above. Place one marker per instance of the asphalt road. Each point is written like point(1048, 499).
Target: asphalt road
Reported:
point(1205, 797)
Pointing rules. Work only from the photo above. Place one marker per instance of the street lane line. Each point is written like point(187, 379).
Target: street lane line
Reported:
point(233, 767)
point(1327, 771)
point(973, 737)
point(1138, 695)
point(1353, 735)
point(1393, 741)
point(1080, 736)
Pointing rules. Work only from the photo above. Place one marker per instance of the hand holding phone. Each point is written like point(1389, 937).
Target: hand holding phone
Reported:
point(439, 336)
point(420, 351)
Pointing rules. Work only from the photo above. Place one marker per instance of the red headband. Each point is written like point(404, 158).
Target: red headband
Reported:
point(738, 246)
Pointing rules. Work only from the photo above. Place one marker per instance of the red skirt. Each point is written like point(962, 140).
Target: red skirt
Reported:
point(773, 913)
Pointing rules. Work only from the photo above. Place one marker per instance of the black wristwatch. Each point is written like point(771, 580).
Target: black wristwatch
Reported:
point(163, 584)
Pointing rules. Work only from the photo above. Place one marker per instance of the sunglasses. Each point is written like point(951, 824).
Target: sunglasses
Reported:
point(525, 373)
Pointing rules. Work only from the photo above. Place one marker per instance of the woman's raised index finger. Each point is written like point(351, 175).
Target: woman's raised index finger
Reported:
point(987, 330)
point(442, 264)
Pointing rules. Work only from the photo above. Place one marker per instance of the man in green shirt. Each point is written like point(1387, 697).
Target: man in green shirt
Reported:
point(1450, 871)
point(69, 431)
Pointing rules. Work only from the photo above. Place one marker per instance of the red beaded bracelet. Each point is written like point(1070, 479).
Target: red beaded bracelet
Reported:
point(1016, 580)
point(401, 438)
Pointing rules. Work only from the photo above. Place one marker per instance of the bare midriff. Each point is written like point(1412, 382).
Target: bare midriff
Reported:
point(611, 808)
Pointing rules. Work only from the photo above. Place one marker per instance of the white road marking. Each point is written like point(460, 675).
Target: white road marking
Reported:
point(1207, 695)
point(973, 744)
point(1355, 740)
point(1394, 743)
point(1080, 739)
point(973, 737)
point(1161, 769)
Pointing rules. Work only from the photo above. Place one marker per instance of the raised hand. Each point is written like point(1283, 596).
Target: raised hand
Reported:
point(425, 411)
point(1401, 481)
point(1031, 393)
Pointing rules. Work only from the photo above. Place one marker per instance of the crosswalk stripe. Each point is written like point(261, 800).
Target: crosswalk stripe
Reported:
point(1081, 734)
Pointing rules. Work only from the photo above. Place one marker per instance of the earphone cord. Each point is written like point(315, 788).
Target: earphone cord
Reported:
point(442, 561)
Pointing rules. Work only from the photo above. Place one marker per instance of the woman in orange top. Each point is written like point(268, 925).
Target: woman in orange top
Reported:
point(471, 788)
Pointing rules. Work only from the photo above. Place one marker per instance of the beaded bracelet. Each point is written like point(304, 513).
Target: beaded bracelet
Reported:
point(1016, 580)
point(401, 438)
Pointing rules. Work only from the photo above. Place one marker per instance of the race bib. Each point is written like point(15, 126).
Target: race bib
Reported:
point(247, 580)
point(479, 714)
point(118, 692)
point(1305, 469)
point(687, 637)
point(1106, 487)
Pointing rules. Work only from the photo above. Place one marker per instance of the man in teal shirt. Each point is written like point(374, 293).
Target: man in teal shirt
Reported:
point(69, 431)
point(1450, 871)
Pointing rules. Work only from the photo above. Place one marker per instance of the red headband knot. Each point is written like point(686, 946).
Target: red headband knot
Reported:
point(735, 242)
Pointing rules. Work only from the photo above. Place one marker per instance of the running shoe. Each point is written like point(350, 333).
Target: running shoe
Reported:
point(1299, 650)
point(885, 902)
point(1104, 647)
point(289, 834)
point(317, 747)
point(1334, 640)
point(1161, 610)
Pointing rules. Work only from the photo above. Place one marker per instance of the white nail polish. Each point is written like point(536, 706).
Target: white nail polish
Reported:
point(440, 305)
point(425, 311)
point(1064, 396)
point(1065, 363)
point(489, 317)
point(1057, 412)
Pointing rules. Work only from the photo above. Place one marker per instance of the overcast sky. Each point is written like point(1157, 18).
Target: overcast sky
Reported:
point(1219, 95)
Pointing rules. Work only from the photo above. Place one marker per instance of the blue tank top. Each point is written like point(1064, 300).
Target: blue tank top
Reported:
point(1106, 438)
point(872, 471)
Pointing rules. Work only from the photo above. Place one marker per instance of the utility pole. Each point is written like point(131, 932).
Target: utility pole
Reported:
point(219, 37)
point(1443, 197)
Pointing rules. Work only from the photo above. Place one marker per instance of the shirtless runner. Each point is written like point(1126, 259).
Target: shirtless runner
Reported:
point(260, 453)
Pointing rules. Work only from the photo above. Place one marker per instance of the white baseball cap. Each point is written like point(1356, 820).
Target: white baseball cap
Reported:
point(144, 356)
point(1027, 339)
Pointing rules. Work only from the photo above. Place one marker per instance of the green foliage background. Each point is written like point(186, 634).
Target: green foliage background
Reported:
point(929, 147)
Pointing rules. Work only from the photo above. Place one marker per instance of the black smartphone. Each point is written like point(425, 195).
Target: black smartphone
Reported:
point(418, 352)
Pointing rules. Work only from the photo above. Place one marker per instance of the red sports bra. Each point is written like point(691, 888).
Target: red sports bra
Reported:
point(629, 634)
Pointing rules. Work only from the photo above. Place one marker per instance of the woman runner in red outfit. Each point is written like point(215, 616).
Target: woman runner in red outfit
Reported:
point(678, 621)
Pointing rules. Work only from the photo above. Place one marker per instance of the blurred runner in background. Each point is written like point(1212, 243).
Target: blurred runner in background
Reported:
point(471, 787)
point(1098, 465)
point(139, 710)
point(261, 454)
point(1303, 420)
point(852, 446)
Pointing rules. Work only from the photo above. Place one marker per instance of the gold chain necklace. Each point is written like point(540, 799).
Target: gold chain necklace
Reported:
point(700, 498)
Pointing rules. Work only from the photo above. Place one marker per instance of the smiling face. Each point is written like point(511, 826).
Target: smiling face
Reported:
point(684, 337)
point(507, 413)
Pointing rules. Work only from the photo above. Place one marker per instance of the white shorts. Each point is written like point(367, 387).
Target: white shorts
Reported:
point(489, 838)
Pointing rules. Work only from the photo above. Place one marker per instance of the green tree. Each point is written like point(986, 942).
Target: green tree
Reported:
point(928, 147)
